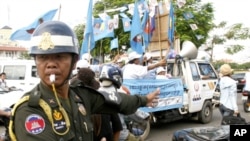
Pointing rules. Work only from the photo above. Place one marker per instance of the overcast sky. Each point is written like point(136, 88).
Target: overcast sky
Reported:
point(24, 12)
point(73, 12)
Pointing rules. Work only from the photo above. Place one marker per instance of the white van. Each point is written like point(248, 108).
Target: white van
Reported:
point(21, 74)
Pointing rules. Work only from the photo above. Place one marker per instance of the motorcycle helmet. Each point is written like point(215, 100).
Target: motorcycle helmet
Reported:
point(111, 73)
point(53, 37)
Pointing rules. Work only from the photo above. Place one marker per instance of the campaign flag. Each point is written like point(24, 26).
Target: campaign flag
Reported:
point(199, 37)
point(181, 3)
point(171, 26)
point(188, 15)
point(114, 43)
point(136, 33)
point(88, 42)
point(152, 21)
point(193, 26)
point(116, 21)
point(145, 26)
point(103, 28)
point(26, 32)
point(123, 8)
point(123, 15)
point(126, 24)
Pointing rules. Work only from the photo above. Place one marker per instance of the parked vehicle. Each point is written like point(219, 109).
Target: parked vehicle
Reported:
point(240, 78)
point(20, 73)
point(216, 133)
point(9, 98)
point(246, 93)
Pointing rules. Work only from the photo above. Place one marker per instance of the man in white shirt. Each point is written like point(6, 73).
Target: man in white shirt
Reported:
point(148, 60)
point(3, 83)
point(134, 70)
point(162, 73)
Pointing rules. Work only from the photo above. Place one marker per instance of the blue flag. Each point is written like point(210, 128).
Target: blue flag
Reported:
point(103, 28)
point(145, 27)
point(126, 24)
point(123, 15)
point(88, 42)
point(136, 32)
point(114, 43)
point(26, 32)
point(171, 26)
point(188, 15)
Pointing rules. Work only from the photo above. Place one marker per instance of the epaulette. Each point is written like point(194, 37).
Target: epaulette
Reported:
point(34, 99)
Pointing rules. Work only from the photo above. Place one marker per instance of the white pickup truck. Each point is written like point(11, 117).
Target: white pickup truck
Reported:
point(189, 93)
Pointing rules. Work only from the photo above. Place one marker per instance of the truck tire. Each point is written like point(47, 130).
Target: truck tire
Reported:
point(206, 113)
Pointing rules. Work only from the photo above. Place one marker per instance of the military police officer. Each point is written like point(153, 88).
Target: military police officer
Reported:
point(56, 110)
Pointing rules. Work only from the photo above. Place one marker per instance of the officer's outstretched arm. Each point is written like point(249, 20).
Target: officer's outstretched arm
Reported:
point(128, 104)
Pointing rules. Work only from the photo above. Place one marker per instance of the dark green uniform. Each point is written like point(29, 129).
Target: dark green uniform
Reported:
point(32, 124)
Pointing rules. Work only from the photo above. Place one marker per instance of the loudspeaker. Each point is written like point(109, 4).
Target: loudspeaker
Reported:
point(188, 50)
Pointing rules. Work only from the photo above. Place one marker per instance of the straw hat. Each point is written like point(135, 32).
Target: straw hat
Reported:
point(226, 69)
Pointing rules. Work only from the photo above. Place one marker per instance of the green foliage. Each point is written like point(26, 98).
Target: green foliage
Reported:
point(203, 16)
point(235, 66)
point(234, 32)
point(79, 32)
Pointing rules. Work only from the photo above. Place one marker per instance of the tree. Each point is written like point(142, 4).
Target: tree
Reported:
point(221, 34)
point(203, 15)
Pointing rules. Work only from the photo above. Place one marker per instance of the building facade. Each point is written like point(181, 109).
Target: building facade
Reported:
point(9, 49)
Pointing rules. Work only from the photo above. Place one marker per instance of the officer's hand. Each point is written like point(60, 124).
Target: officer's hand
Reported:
point(153, 98)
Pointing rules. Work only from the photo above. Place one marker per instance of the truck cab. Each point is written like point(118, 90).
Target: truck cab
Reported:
point(199, 80)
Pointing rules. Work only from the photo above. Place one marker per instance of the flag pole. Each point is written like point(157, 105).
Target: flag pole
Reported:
point(89, 42)
point(59, 14)
point(159, 29)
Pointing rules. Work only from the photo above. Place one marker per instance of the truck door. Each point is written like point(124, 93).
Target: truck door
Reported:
point(208, 78)
point(202, 86)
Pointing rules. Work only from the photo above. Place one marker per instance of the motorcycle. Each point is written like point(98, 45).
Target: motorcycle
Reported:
point(139, 124)
point(246, 93)
point(246, 100)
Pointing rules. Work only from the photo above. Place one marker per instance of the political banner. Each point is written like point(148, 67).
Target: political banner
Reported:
point(171, 92)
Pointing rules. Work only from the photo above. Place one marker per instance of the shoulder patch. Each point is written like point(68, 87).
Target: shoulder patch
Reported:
point(34, 124)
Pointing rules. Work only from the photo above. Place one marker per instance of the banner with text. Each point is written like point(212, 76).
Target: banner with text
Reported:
point(171, 95)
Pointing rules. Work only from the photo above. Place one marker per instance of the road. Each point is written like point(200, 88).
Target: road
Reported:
point(164, 132)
